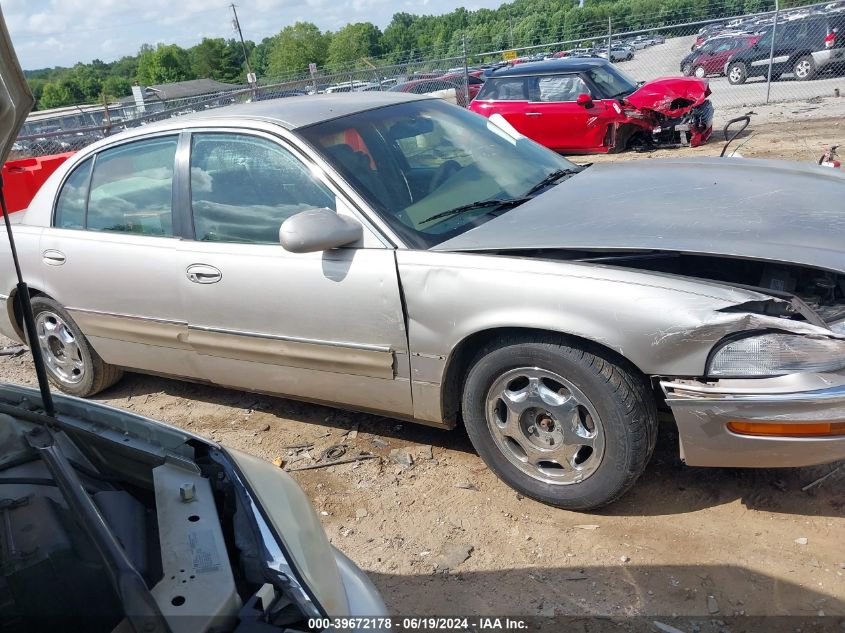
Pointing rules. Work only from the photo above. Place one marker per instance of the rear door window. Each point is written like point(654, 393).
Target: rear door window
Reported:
point(70, 207)
point(504, 89)
point(132, 188)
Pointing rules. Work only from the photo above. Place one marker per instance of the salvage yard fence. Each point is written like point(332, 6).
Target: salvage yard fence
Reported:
point(765, 41)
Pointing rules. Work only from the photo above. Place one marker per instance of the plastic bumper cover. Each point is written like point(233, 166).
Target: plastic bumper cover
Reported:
point(363, 597)
point(702, 412)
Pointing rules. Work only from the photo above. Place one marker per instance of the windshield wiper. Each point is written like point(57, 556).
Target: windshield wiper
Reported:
point(479, 204)
point(553, 177)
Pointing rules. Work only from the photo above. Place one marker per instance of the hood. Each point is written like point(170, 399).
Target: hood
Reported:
point(755, 209)
point(15, 97)
point(663, 95)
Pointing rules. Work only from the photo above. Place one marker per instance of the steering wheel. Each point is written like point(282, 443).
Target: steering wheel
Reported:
point(443, 173)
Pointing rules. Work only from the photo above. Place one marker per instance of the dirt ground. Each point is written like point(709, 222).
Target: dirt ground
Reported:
point(687, 546)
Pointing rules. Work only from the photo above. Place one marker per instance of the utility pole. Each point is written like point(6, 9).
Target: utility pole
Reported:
point(250, 76)
point(772, 51)
point(510, 24)
point(466, 68)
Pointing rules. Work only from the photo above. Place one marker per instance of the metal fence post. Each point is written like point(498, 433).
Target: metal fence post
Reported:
point(609, 39)
point(772, 51)
point(466, 68)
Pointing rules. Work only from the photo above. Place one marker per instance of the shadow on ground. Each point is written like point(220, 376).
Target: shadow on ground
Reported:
point(702, 598)
point(772, 490)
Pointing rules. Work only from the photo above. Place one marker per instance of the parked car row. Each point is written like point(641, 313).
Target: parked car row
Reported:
point(803, 44)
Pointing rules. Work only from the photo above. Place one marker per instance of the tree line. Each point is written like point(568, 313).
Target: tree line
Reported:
point(406, 38)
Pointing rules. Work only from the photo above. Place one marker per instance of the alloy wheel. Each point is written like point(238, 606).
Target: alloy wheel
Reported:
point(545, 426)
point(59, 347)
point(735, 74)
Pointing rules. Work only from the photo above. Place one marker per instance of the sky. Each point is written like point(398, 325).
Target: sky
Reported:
point(50, 33)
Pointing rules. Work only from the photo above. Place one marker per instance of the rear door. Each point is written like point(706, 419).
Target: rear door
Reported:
point(505, 96)
point(553, 115)
point(109, 255)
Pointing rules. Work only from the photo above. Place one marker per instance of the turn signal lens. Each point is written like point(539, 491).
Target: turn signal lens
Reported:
point(776, 429)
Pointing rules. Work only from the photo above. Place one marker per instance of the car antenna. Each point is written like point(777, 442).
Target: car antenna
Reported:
point(22, 298)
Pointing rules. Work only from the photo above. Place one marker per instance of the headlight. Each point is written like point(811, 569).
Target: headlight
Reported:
point(775, 355)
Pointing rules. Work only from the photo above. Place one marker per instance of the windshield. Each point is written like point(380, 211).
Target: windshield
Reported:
point(416, 160)
point(612, 82)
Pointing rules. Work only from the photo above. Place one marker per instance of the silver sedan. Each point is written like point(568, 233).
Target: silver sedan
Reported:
point(396, 254)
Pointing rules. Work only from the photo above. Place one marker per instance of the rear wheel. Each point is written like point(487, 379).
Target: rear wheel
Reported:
point(72, 364)
point(804, 68)
point(737, 73)
point(561, 424)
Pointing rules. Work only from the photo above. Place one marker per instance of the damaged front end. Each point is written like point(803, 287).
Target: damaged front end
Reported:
point(667, 113)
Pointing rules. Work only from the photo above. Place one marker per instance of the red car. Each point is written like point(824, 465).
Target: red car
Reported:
point(450, 87)
point(586, 105)
point(711, 58)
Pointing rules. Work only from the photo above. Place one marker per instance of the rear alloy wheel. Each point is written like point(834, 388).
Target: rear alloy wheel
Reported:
point(737, 74)
point(557, 423)
point(72, 364)
point(804, 68)
point(700, 72)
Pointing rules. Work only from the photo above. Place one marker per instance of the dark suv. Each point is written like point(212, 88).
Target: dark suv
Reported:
point(803, 47)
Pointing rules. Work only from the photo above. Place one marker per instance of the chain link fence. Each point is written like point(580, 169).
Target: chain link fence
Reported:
point(770, 55)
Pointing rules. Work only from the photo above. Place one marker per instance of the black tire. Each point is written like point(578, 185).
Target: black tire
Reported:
point(96, 374)
point(804, 68)
point(619, 395)
point(737, 73)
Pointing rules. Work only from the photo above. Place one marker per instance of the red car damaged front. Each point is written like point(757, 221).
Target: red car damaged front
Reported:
point(587, 106)
point(669, 110)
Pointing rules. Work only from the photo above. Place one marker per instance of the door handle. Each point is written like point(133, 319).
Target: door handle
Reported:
point(52, 257)
point(533, 114)
point(203, 274)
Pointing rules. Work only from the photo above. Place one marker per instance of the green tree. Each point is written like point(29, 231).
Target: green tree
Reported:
point(400, 34)
point(166, 63)
point(55, 95)
point(354, 42)
point(36, 85)
point(218, 59)
point(115, 87)
point(295, 47)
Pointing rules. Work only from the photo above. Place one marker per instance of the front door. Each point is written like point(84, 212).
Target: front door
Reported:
point(110, 256)
point(325, 326)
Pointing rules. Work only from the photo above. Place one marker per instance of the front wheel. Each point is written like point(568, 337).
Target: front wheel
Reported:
point(72, 364)
point(700, 72)
point(561, 424)
point(737, 74)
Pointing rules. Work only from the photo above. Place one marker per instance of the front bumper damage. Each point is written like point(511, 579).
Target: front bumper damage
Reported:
point(693, 129)
point(703, 412)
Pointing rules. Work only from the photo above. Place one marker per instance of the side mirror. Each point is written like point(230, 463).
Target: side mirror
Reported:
point(316, 230)
point(584, 100)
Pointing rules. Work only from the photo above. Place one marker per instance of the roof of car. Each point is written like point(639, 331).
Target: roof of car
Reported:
point(565, 65)
point(298, 112)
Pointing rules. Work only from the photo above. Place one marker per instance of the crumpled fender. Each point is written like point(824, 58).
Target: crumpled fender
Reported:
point(660, 94)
